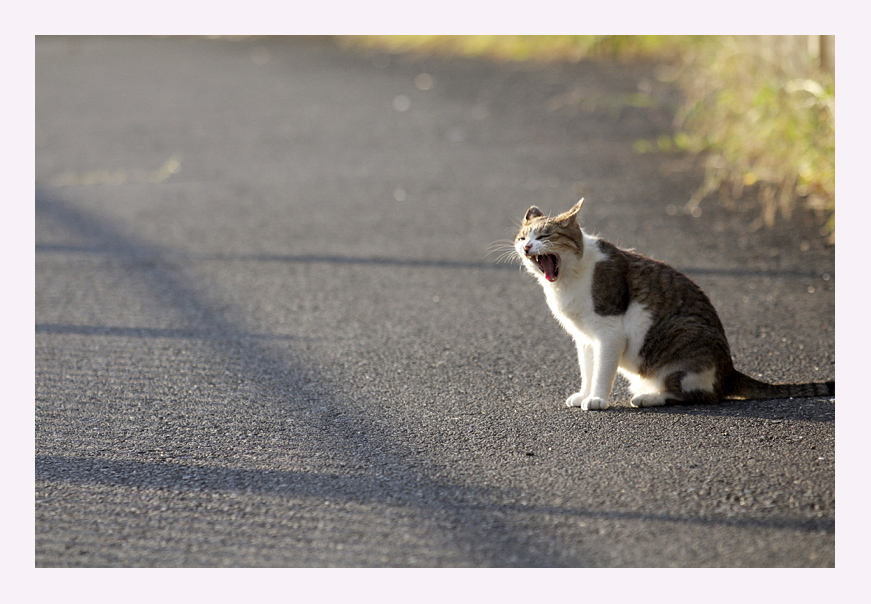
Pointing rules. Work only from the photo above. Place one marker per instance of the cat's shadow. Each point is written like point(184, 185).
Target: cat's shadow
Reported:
point(807, 409)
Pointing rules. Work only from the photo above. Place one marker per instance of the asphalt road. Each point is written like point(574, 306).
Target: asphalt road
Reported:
point(271, 331)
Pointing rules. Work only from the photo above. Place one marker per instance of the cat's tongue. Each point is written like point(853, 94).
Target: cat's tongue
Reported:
point(547, 263)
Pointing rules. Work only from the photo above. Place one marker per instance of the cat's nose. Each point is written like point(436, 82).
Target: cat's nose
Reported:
point(527, 247)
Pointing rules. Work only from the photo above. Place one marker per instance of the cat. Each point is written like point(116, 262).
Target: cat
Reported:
point(630, 313)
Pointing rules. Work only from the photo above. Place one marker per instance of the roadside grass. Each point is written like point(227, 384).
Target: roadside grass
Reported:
point(765, 127)
point(525, 48)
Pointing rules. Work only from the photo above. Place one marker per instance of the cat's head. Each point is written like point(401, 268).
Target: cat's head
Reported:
point(546, 245)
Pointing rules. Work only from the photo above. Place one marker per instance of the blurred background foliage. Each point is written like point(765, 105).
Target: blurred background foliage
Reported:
point(759, 110)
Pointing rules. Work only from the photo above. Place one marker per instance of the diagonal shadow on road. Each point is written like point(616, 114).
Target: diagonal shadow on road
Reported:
point(274, 379)
point(478, 512)
point(427, 494)
point(390, 261)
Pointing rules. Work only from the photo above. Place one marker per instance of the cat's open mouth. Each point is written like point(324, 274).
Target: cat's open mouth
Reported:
point(549, 264)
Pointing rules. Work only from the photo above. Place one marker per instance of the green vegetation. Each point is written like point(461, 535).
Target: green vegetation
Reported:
point(763, 122)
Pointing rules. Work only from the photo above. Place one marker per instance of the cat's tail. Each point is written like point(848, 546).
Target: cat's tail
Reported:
point(744, 387)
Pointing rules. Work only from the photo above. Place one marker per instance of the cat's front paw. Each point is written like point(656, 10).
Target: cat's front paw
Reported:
point(586, 403)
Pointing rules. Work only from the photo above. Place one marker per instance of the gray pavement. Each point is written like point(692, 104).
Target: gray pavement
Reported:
point(270, 329)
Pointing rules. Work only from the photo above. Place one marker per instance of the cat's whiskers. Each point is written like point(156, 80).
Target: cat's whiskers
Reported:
point(505, 249)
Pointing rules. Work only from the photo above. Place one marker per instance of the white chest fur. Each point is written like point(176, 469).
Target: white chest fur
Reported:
point(571, 299)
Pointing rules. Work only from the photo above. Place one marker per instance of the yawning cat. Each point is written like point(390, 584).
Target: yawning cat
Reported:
point(631, 313)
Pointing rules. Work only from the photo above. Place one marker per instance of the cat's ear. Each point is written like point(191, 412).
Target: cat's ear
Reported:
point(570, 218)
point(531, 213)
point(576, 208)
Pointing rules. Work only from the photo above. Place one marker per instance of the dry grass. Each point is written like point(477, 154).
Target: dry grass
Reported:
point(764, 124)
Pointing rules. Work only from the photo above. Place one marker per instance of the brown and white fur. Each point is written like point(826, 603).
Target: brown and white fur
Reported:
point(629, 313)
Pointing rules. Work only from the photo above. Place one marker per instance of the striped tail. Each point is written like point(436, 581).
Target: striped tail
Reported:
point(744, 387)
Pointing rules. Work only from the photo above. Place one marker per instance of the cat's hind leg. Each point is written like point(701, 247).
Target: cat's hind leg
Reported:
point(700, 387)
point(652, 399)
point(654, 391)
point(676, 387)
